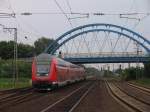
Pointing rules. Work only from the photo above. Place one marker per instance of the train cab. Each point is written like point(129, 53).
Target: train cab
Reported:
point(49, 72)
point(41, 71)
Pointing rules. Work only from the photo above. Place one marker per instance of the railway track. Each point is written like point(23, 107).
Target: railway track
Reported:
point(14, 90)
point(73, 99)
point(99, 100)
point(16, 98)
point(129, 101)
point(12, 93)
point(137, 93)
point(40, 99)
point(139, 87)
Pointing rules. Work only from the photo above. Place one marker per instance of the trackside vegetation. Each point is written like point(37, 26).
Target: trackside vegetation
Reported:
point(139, 75)
point(135, 73)
point(25, 52)
point(7, 83)
point(143, 81)
point(7, 75)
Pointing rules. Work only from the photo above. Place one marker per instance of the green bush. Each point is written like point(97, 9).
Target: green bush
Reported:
point(6, 69)
point(7, 83)
point(132, 73)
point(143, 81)
point(108, 73)
point(24, 69)
point(147, 70)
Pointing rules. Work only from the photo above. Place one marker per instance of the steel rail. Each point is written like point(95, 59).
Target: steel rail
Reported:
point(122, 101)
point(82, 97)
point(64, 98)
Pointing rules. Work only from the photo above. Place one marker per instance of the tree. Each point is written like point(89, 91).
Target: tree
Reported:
point(147, 70)
point(25, 50)
point(41, 44)
point(92, 71)
point(7, 50)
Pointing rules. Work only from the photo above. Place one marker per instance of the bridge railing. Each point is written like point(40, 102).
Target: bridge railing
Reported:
point(103, 54)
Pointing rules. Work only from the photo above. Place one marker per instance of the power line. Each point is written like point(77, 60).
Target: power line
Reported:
point(81, 17)
point(78, 17)
point(86, 15)
point(18, 23)
point(69, 6)
point(11, 7)
point(78, 13)
point(7, 15)
point(63, 12)
point(133, 18)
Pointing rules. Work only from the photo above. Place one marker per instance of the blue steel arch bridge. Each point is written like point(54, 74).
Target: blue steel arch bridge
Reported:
point(101, 43)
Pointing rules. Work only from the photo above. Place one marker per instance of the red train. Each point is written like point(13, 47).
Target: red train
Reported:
point(49, 72)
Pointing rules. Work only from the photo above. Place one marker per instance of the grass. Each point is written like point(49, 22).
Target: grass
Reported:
point(8, 83)
point(143, 81)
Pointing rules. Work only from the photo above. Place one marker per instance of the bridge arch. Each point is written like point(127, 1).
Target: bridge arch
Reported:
point(97, 27)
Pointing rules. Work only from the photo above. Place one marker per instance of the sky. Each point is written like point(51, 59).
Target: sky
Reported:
point(53, 25)
point(42, 23)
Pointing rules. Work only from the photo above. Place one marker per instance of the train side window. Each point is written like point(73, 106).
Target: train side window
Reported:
point(61, 63)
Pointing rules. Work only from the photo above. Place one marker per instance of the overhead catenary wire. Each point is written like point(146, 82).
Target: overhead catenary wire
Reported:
point(19, 25)
point(69, 6)
point(21, 31)
point(126, 16)
point(78, 13)
point(86, 14)
point(63, 12)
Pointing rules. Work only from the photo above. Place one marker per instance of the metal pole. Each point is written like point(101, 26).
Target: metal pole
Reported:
point(16, 53)
point(14, 67)
point(15, 63)
point(137, 64)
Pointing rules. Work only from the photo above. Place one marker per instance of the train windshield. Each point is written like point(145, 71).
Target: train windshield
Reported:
point(43, 64)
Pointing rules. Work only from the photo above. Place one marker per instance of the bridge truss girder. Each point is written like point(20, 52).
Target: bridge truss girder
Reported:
point(110, 28)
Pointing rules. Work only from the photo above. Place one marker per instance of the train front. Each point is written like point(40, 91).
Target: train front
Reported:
point(41, 71)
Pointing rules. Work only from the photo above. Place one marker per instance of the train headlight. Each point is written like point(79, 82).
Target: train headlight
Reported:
point(46, 74)
point(54, 82)
point(38, 74)
point(42, 74)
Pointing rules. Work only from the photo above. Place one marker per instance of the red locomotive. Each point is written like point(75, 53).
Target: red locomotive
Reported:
point(49, 71)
